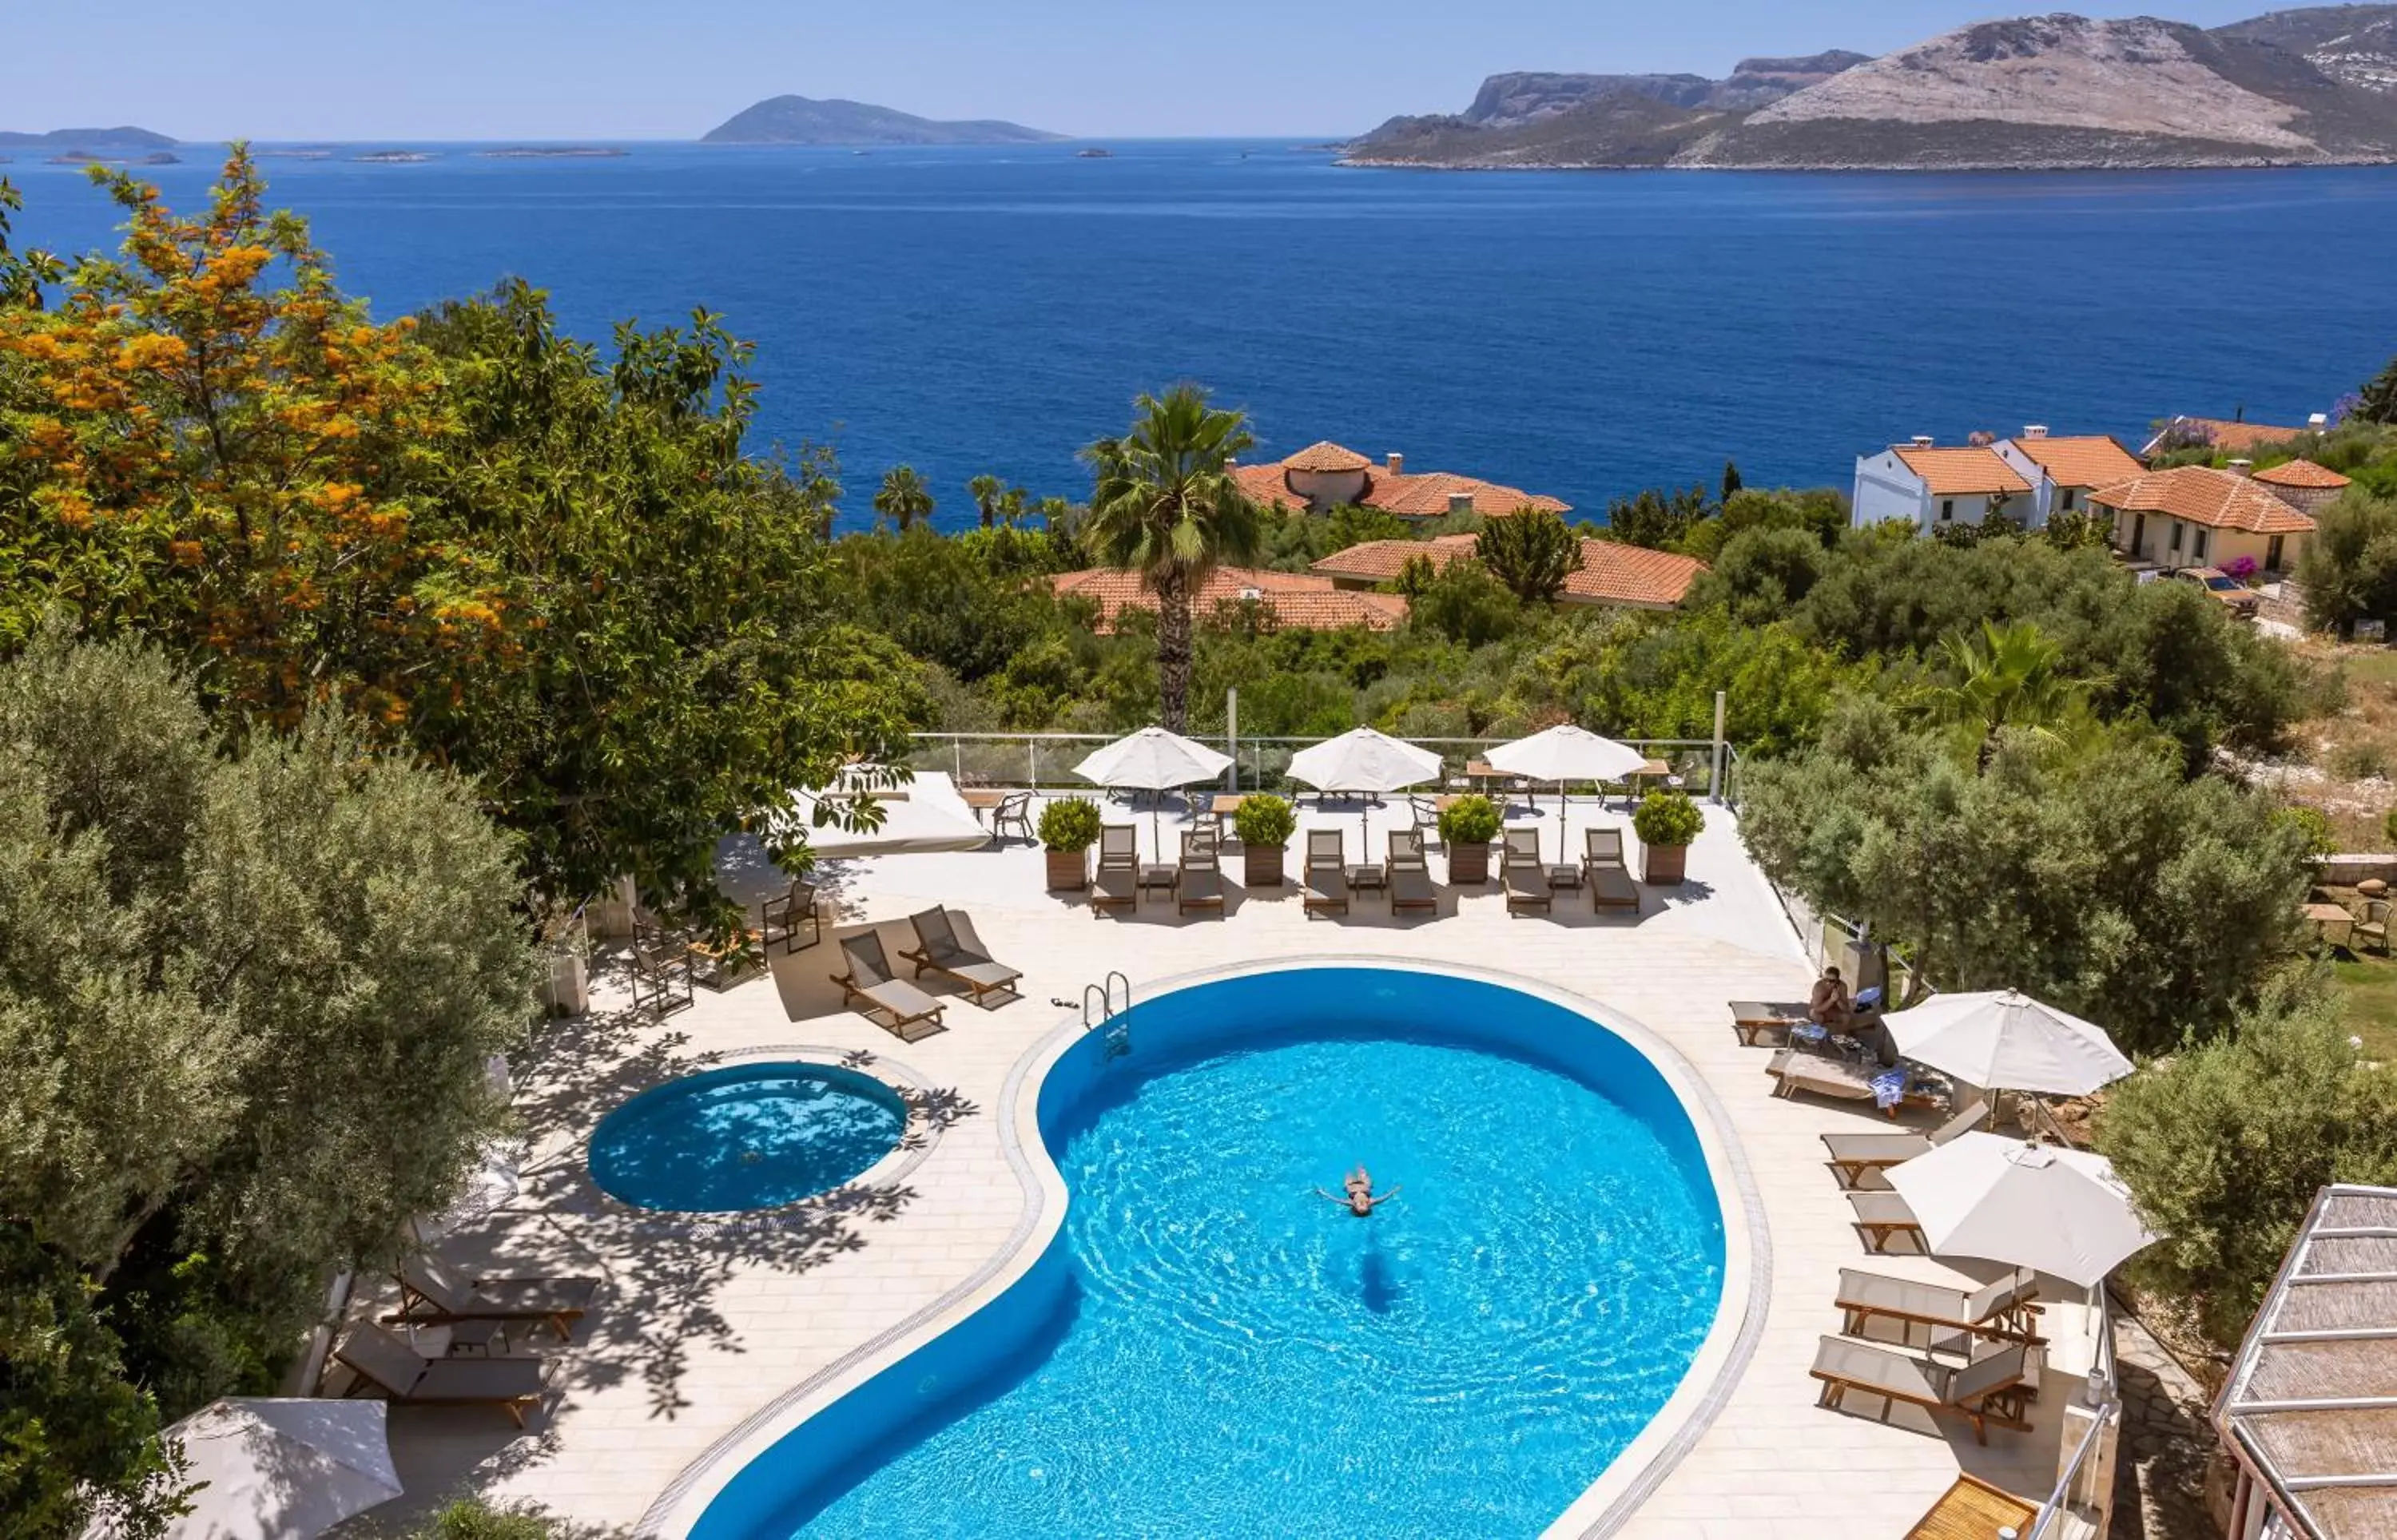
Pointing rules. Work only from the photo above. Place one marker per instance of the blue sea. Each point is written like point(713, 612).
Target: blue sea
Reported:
point(1583, 335)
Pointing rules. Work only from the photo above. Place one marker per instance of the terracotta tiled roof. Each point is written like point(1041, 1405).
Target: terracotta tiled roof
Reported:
point(1268, 484)
point(2216, 499)
point(2094, 460)
point(1295, 599)
point(2235, 437)
point(1427, 495)
point(1962, 471)
point(2303, 474)
point(1421, 495)
point(1327, 456)
point(1611, 572)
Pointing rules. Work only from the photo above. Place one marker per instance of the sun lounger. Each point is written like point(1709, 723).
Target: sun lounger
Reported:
point(1526, 879)
point(1985, 1392)
point(947, 944)
point(1410, 885)
point(1326, 873)
point(1859, 1159)
point(1198, 883)
point(1755, 1021)
point(870, 979)
point(433, 1292)
point(384, 1361)
point(1883, 1216)
point(1117, 883)
point(1603, 868)
point(1841, 1080)
point(2001, 1312)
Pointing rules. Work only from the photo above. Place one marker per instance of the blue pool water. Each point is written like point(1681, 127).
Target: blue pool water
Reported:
point(1214, 1349)
point(754, 1136)
point(1583, 335)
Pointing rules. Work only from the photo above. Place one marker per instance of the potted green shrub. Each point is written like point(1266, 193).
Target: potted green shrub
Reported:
point(1069, 827)
point(1665, 823)
point(1264, 825)
point(1467, 827)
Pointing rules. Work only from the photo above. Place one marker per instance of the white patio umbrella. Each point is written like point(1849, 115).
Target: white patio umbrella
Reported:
point(2005, 1040)
point(281, 1467)
point(1363, 760)
point(2063, 1212)
point(1566, 753)
point(1153, 760)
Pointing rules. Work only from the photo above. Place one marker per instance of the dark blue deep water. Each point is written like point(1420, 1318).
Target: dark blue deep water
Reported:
point(1584, 334)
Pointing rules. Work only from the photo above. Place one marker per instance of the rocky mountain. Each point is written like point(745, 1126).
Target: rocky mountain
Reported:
point(2046, 91)
point(2353, 44)
point(804, 120)
point(73, 140)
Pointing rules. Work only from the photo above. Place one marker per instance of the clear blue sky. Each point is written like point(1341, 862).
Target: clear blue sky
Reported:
point(671, 69)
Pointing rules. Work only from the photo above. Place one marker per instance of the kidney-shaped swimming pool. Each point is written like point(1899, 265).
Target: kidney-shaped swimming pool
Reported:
point(1210, 1346)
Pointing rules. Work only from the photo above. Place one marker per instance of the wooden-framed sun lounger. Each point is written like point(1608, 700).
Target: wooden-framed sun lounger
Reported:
point(947, 944)
point(433, 1292)
point(1985, 1393)
point(913, 1013)
point(382, 1361)
point(1116, 884)
point(1199, 881)
point(1526, 879)
point(1757, 1022)
point(2000, 1312)
point(1838, 1078)
point(1859, 1159)
point(1326, 873)
point(1973, 1508)
point(1410, 885)
point(1882, 1217)
point(1605, 870)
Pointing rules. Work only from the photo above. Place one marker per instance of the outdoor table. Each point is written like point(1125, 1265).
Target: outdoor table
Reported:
point(1369, 877)
point(2332, 923)
point(720, 967)
point(1226, 804)
point(981, 800)
point(1159, 875)
point(1564, 877)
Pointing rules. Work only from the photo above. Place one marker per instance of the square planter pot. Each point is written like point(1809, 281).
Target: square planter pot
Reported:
point(568, 989)
point(1469, 863)
point(1260, 866)
point(1069, 870)
point(1663, 865)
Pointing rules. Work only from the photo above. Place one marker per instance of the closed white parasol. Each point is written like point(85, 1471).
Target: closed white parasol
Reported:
point(2006, 1041)
point(2063, 1212)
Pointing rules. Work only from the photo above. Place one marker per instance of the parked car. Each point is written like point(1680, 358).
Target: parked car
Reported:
point(2235, 596)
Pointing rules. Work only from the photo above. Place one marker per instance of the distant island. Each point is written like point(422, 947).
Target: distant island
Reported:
point(392, 158)
point(90, 141)
point(2059, 92)
point(804, 120)
point(553, 152)
point(84, 158)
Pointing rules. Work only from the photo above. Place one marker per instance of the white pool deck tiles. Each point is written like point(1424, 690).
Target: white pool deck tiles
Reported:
point(701, 1324)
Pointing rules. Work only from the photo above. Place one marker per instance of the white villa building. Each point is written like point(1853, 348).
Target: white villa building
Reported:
point(2064, 472)
point(1928, 487)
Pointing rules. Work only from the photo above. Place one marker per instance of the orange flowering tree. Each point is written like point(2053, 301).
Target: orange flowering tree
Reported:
point(214, 445)
point(552, 570)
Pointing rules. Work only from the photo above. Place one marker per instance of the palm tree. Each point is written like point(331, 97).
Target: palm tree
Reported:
point(986, 490)
point(1164, 504)
point(904, 499)
point(2010, 676)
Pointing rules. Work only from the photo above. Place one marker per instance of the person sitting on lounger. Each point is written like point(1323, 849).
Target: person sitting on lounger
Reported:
point(1361, 1196)
point(1828, 1003)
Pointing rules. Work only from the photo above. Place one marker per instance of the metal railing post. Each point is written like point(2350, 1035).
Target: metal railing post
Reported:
point(1715, 780)
point(1031, 762)
point(1232, 738)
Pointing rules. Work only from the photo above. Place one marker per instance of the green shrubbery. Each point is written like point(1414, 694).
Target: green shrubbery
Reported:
point(1665, 818)
point(1472, 819)
point(1070, 824)
point(1264, 821)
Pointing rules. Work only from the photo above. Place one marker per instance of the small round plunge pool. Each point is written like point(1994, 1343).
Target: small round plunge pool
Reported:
point(753, 1136)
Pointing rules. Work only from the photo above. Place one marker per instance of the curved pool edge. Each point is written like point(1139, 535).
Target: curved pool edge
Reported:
point(1601, 1508)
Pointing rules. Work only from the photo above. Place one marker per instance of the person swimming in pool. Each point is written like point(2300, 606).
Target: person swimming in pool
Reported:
point(1359, 1194)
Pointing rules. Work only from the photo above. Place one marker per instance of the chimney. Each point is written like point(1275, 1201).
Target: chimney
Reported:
point(1398, 463)
point(1460, 503)
point(2243, 468)
point(1231, 465)
point(1922, 441)
point(2035, 430)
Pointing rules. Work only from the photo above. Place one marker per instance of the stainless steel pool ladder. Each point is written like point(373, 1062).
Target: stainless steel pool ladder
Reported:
point(1116, 1024)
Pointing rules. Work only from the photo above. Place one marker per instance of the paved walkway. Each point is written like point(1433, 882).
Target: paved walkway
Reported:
point(701, 1324)
point(2159, 1475)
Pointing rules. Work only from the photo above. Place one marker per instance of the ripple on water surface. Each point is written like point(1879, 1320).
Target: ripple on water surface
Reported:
point(1247, 1357)
point(750, 1137)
